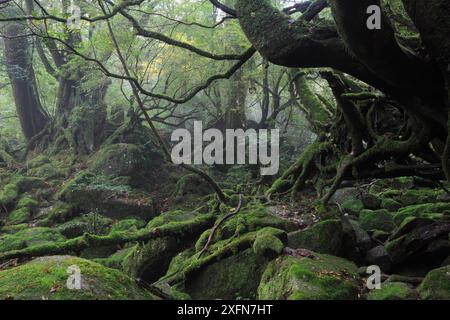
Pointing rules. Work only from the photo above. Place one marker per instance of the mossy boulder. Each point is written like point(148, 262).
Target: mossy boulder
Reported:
point(393, 291)
point(150, 261)
point(124, 159)
point(25, 208)
point(422, 210)
point(43, 167)
point(191, 184)
point(91, 223)
point(390, 205)
point(419, 239)
point(270, 242)
point(115, 260)
point(106, 196)
point(376, 220)
point(323, 237)
point(352, 207)
point(58, 212)
point(436, 285)
point(128, 225)
point(371, 201)
point(19, 216)
point(253, 217)
point(345, 194)
point(236, 277)
point(321, 277)
point(16, 185)
point(46, 278)
point(29, 237)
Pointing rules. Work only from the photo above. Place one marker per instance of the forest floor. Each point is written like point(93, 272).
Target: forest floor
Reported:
point(136, 229)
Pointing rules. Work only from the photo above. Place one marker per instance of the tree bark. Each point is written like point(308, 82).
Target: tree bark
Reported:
point(18, 58)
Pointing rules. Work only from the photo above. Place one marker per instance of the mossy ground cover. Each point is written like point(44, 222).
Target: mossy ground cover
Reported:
point(46, 278)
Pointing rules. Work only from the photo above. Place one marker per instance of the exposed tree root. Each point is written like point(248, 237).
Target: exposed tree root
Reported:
point(180, 230)
point(218, 224)
point(240, 244)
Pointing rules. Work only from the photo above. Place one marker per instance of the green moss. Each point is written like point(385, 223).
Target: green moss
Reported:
point(16, 185)
point(11, 229)
point(19, 216)
point(110, 197)
point(422, 210)
point(27, 202)
point(412, 196)
point(390, 205)
point(170, 216)
point(436, 285)
point(202, 240)
point(119, 160)
point(128, 225)
point(28, 238)
point(23, 212)
point(380, 235)
point(46, 278)
point(353, 207)
point(323, 237)
point(268, 243)
point(91, 223)
point(9, 193)
point(59, 212)
point(191, 184)
point(377, 220)
point(393, 291)
point(323, 278)
point(252, 218)
point(178, 262)
point(150, 260)
point(38, 161)
point(236, 277)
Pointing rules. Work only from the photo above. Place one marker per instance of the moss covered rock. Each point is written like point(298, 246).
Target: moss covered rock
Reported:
point(25, 209)
point(43, 167)
point(115, 260)
point(191, 184)
point(150, 261)
point(123, 160)
point(324, 237)
point(46, 278)
point(102, 194)
point(353, 207)
point(322, 277)
point(420, 239)
point(270, 242)
point(253, 217)
point(59, 212)
point(29, 237)
point(376, 220)
point(436, 285)
point(390, 205)
point(19, 216)
point(16, 185)
point(393, 291)
point(91, 223)
point(128, 225)
point(422, 211)
point(236, 277)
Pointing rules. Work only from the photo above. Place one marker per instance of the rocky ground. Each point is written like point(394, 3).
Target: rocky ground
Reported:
point(140, 233)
